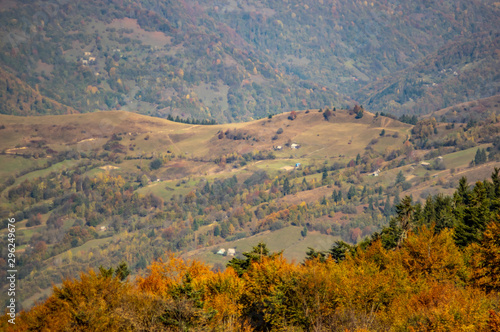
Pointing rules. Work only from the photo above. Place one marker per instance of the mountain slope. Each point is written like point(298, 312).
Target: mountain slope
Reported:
point(94, 56)
point(228, 61)
point(347, 44)
point(464, 70)
point(17, 97)
point(104, 187)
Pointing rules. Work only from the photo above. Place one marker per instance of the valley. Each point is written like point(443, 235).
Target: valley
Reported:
point(250, 165)
point(100, 188)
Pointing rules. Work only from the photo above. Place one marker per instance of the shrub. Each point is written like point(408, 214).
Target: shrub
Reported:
point(155, 164)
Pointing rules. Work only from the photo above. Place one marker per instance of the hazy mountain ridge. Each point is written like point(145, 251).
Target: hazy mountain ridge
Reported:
point(360, 39)
point(179, 74)
point(461, 71)
point(226, 60)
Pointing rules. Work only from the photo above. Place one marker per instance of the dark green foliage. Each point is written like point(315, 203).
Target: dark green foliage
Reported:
point(155, 164)
point(468, 212)
point(438, 211)
point(409, 119)
point(192, 120)
point(241, 265)
point(303, 232)
point(476, 215)
point(121, 272)
point(351, 193)
point(480, 157)
point(185, 310)
point(327, 114)
point(387, 207)
point(400, 178)
point(405, 216)
point(142, 263)
point(337, 196)
point(324, 177)
point(217, 230)
point(257, 177)
point(495, 149)
point(313, 254)
point(339, 251)
point(286, 187)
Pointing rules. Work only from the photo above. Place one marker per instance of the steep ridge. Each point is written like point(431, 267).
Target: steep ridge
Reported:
point(463, 70)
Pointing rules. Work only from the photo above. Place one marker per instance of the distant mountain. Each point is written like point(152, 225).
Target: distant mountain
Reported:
point(347, 44)
point(17, 97)
point(462, 71)
point(226, 60)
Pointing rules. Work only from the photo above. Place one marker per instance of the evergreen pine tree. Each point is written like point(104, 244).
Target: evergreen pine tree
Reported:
point(286, 187)
point(475, 217)
point(387, 207)
point(324, 177)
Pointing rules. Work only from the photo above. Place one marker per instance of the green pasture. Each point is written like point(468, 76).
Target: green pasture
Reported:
point(288, 239)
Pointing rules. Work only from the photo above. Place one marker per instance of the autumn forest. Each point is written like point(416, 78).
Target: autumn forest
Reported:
point(249, 165)
point(434, 268)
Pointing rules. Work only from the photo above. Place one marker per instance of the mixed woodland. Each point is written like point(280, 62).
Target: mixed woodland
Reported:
point(435, 267)
point(78, 209)
point(372, 135)
point(233, 61)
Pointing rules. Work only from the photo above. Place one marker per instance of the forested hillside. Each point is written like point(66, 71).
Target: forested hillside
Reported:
point(250, 164)
point(434, 268)
point(231, 61)
point(105, 187)
point(461, 71)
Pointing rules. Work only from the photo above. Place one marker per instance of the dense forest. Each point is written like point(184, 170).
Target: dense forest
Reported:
point(435, 267)
point(232, 61)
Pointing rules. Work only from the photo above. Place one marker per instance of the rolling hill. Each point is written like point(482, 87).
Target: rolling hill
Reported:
point(269, 141)
point(100, 188)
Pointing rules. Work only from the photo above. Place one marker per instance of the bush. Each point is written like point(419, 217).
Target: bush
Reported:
point(276, 225)
point(155, 164)
point(405, 185)
point(348, 209)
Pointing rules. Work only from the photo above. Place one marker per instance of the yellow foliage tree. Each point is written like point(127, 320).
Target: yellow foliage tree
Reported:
point(485, 259)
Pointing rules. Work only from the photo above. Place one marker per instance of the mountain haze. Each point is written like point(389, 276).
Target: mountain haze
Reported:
point(237, 60)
